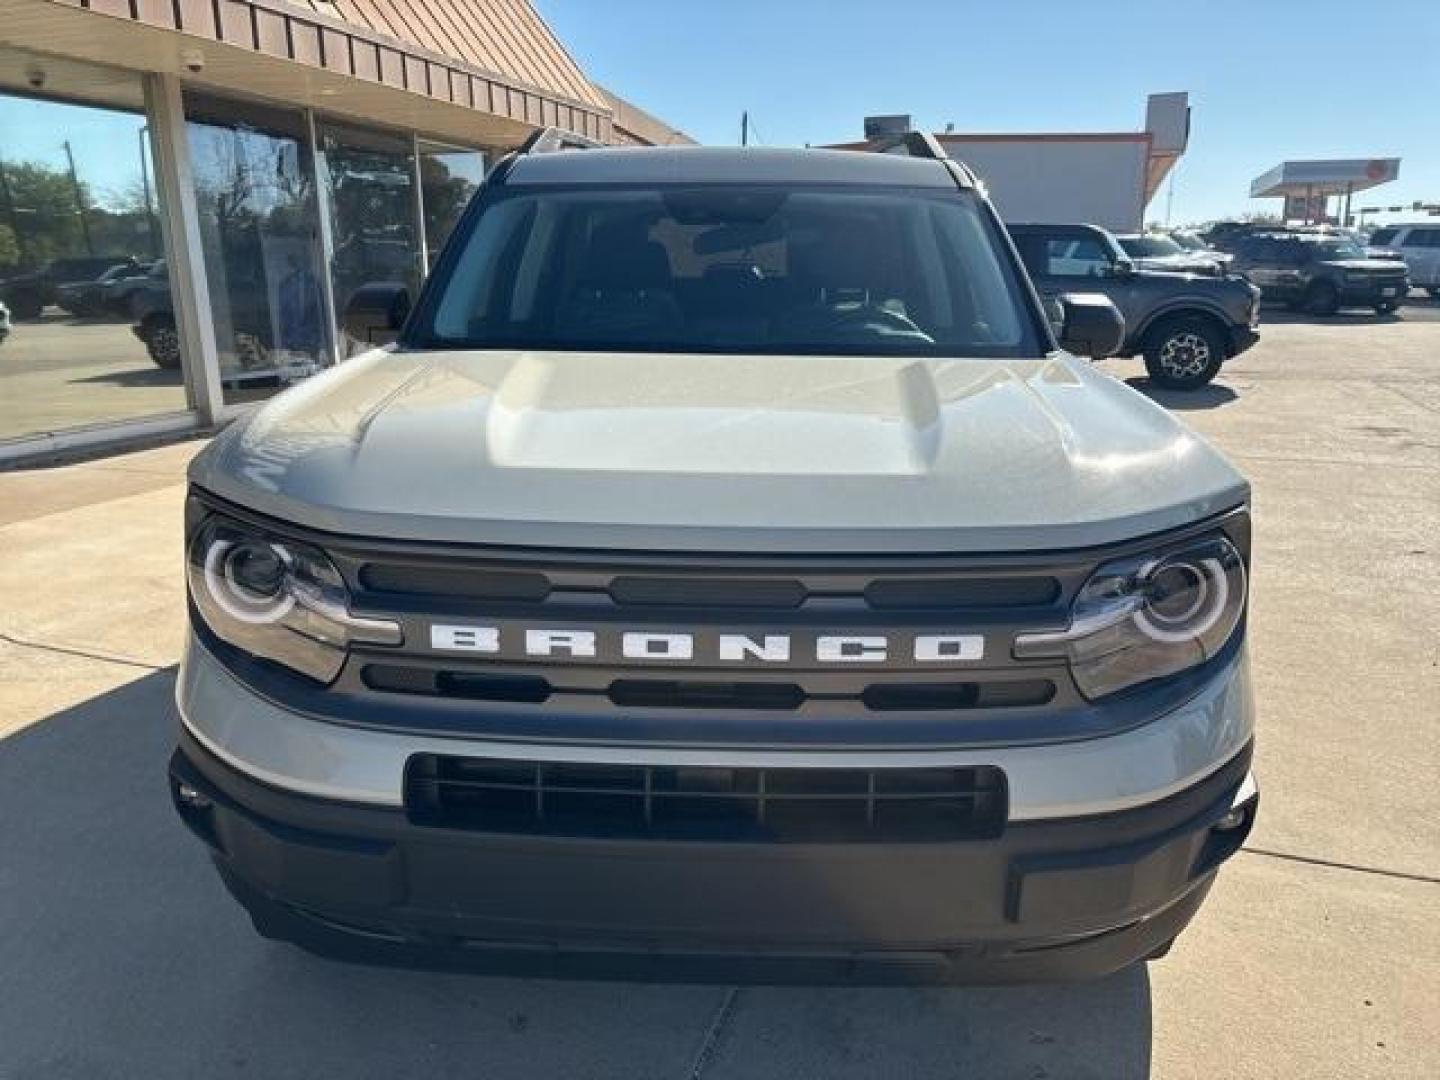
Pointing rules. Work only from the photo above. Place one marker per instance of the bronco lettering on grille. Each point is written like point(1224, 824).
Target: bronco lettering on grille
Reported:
point(824, 648)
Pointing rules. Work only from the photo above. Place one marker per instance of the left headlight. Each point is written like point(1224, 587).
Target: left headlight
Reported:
point(276, 599)
point(1149, 616)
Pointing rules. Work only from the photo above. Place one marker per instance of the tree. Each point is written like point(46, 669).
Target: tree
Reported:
point(38, 204)
point(9, 249)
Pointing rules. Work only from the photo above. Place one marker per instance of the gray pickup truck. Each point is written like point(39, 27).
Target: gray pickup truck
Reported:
point(1185, 325)
point(727, 575)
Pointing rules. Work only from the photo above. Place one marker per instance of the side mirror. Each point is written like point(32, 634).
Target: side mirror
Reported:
point(1091, 325)
point(375, 312)
point(1123, 268)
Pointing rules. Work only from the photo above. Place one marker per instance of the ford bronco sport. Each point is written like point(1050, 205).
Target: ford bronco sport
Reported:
point(1185, 325)
point(726, 575)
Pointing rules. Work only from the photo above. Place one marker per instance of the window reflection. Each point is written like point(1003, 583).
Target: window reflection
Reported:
point(79, 234)
point(370, 193)
point(255, 190)
point(448, 178)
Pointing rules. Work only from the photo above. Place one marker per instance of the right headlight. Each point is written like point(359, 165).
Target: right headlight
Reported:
point(1148, 616)
point(276, 599)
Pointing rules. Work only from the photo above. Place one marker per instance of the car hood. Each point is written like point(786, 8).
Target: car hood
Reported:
point(705, 452)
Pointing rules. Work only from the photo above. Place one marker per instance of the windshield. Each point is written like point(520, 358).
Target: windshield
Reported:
point(729, 268)
point(1150, 247)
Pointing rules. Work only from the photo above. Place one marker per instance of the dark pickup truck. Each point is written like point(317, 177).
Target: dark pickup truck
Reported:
point(28, 294)
point(1185, 325)
point(1320, 274)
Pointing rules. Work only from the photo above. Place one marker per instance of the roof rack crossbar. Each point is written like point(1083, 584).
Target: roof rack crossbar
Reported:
point(549, 139)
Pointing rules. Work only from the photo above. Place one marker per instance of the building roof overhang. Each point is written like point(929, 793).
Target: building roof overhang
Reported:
point(279, 51)
point(1330, 177)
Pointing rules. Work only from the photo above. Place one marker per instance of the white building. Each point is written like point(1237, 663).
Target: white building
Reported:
point(1100, 178)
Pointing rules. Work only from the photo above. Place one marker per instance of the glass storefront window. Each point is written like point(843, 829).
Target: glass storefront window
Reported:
point(79, 236)
point(371, 198)
point(448, 178)
point(255, 190)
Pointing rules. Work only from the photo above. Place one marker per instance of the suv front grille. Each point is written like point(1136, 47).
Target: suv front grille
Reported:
point(496, 795)
point(711, 693)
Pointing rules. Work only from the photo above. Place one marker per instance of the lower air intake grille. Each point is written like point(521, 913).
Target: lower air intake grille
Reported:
point(498, 795)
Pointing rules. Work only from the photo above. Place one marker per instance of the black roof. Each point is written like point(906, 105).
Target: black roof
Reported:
point(718, 165)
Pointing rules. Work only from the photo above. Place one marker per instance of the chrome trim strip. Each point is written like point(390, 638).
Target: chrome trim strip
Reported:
point(1059, 780)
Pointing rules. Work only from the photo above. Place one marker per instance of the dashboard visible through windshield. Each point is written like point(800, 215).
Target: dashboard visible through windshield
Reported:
point(729, 268)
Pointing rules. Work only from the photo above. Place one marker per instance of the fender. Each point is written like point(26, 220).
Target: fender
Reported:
point(1178, 305)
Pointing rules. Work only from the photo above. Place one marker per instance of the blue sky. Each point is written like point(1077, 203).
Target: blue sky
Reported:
point(1268, 79)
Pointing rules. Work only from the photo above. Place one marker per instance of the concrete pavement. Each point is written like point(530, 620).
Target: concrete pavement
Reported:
point(60, 371)
point(1316, 956)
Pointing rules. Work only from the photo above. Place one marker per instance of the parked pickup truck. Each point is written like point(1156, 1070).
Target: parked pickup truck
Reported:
point(1185, 325)
point(727, 574)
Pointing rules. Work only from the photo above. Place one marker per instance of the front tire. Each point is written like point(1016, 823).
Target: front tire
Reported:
point(162, 342)
point(1184, 353)
point(1322, 298)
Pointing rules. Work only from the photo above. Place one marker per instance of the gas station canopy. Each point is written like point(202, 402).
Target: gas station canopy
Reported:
point(1318, 179)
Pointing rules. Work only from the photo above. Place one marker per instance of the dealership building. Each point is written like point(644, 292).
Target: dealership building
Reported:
point(190, 190)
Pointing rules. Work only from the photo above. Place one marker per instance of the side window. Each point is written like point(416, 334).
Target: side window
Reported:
point(1426, 238)
point(1381, 237)
point(1415, 238)
point(1080, 256)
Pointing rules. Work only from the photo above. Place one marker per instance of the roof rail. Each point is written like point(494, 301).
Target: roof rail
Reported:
point(911, 143)
point(549, 139)
point(921, 144)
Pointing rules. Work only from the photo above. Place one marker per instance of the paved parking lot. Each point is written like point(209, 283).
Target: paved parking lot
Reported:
point(1318, 954)
point(60, 371)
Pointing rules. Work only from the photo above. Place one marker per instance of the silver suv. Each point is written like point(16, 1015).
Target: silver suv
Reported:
point(725, 576)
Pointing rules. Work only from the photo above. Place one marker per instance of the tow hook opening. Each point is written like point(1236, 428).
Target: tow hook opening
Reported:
point(1231, 829)
point(196, 809)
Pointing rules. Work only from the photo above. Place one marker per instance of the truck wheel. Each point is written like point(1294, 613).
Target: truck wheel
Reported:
point(1322, 298)
point(162, 342)
point(1184, 353)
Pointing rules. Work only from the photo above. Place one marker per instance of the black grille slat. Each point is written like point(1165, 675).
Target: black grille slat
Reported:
point(454, 581)
point(961, 594)
point(776, 594)
point(706, 803)
point(679, 694)
point(894, 695)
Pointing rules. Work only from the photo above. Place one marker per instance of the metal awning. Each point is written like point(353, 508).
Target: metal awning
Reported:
point(1323, 178)
point(282, 51)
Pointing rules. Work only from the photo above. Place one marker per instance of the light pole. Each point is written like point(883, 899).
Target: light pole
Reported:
point(79, 199)
point(150, 222)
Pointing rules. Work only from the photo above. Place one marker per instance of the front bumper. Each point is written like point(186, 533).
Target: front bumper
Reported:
point(1367, 293)
point(1242, 337)
point(1060, 899)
